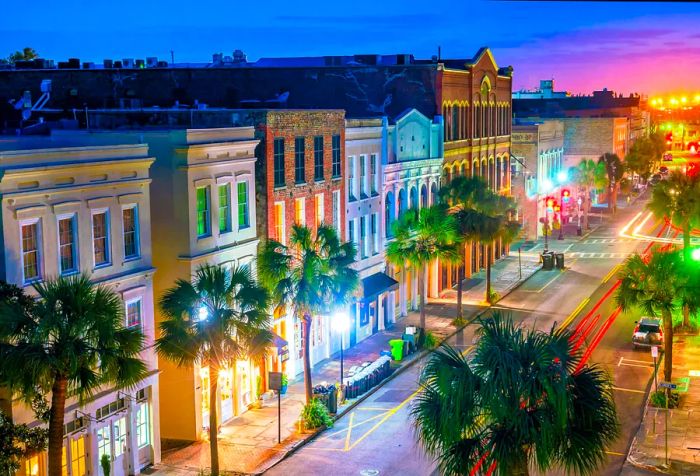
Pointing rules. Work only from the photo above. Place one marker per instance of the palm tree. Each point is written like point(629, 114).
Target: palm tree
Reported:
point(590, 176)
point(614, 169)
point(654, 285)
point(70, 342)
point(464, 194)
point(218, 318)
point(678, 199)
point(421, 240)
point(517, 402)
point(308, 277)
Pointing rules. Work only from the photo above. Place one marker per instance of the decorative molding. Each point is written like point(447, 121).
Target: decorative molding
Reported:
point(32, 211)
point(130, 197)
point(65, 207)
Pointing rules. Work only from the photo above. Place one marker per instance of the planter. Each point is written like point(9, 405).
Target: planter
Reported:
point(283, 390)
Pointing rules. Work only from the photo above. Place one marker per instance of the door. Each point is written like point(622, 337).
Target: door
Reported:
point(119, 442)
point(226, 392)
point(385, 308)
point(373, 317)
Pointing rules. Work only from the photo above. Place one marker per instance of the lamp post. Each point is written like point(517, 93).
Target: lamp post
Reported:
point(341, 323)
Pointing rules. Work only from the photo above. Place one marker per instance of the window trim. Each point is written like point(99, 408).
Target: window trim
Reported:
point(108, 242)
point(336, 158)
point(229, 224)
point(137, 232)
point(297, 151)
point(318, 153)
point(283, 183)
point(75, 268)
point(207, 196)
point(247, 196)
point(39, 263)
point(127, 302)
point(282, 205)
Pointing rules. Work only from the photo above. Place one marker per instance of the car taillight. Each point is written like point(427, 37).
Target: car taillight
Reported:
point(636, 329)
point(661, 332)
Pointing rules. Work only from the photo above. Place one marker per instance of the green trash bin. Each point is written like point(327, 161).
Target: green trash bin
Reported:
point(396, 349)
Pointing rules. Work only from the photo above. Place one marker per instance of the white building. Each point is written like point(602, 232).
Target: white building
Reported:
point(365, 149)
point(411, 181)
point(72, 209)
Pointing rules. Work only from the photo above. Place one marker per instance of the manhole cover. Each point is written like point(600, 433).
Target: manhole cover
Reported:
point(369, 472)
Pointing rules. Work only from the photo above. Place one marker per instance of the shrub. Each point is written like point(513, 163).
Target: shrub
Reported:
point(493, 297)
point(315, 415)
point(658, 399)
point(459, 322)
point(430, 340)
point(285, 379)
point(106, 464)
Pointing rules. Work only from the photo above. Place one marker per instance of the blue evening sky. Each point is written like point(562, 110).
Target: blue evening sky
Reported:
point(626, 46)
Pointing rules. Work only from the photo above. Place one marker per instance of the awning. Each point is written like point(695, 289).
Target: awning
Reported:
point(282, 346)
point(376, 284)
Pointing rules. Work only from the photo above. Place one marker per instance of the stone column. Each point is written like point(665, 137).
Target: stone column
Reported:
point(132, 445)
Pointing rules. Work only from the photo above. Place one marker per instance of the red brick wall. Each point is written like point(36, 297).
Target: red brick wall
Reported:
point(290, 124)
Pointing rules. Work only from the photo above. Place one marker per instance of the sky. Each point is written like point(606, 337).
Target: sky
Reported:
point(646, 47)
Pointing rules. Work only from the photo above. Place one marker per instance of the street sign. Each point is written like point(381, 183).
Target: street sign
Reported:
point(654, 351)
point(672, 386)
point(275, 380)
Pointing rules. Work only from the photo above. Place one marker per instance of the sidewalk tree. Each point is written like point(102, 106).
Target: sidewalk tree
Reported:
point(590, 176)
point(421, 240)
point(654, 285)
point(69, 342)
point(18, 442)
point(615, 170)
point(214, 320)
point(309, 277)
point(678, 200)
point(516, 402)
point(25, 54)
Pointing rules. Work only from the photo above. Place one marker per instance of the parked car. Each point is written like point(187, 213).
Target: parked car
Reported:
point(648, 332)
point(663, 170)
point(668, 157)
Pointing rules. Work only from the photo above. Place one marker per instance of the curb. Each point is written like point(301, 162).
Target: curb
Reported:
point(417, 357)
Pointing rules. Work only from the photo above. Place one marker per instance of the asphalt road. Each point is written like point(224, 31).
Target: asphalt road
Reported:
point(376, 438)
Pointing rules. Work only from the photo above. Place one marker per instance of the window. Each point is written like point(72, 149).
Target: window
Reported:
point(133, 313)
point(336, 211)
point(278, 162)
point(373, 174)
point(243, 215)
point(318, 158)
point(351, 178)
point(100, 238)
point(279, 222)
point(66, 245)
point(131, 238)
point(351, 230)
point(30, 251)
point(336, 157)
point(300, 211)
point(77, 453)
point(363, 233)
point(299, 157)
point(363, 176)
point(119, 433)
point(203, 210)
point(143, 426)
point(103, 442)
point(225, 208)
point(374, 233)
point(318, 210)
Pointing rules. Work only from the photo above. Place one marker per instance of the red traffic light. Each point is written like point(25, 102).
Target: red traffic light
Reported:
point(565, 193)
point(669, 138)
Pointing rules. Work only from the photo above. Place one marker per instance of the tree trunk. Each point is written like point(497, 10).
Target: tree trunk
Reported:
point(686, 259)
point(460, 282)
point(520, 468)
point(586, 207)
point(306, 326)
point(213, 418)
point(610, 196)
point(488, 273)
point(668, 345)
point(59, 392)
point(421, 291)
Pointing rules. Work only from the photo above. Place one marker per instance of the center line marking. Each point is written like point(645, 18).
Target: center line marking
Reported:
point(628, 390)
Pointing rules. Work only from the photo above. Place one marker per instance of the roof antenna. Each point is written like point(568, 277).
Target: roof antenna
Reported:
point(172, 57)
point(439, 57)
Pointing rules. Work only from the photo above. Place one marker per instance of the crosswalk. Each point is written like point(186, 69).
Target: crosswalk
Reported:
point(598, 241)
point(579, 254)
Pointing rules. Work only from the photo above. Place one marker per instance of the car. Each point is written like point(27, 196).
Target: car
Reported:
point(663, 170)
point(648, 332)
point(668, 157)
point(656, 178)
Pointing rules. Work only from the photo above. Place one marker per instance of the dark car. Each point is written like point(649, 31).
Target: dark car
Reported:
point(648, 332)
point(663, 170)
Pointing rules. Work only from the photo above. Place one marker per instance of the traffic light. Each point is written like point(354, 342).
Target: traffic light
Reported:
point(669, 138)
point(692, 169)
point(565, 195)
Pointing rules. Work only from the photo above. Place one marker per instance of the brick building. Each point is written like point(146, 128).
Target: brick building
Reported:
point(301, 159)
point(591, 137)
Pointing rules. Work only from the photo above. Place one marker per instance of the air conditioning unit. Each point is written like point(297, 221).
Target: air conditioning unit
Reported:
point(128, 63)
point(151, 62)
point(217, 58)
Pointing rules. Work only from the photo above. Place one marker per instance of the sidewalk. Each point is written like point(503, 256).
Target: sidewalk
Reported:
point(648, 447)
point(248, 444)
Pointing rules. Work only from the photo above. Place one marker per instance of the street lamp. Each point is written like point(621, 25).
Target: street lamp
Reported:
point(341, 323)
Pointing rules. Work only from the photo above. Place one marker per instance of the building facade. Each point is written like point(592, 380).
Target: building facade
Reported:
point(301, 163)
point(476, 106)
point(538, 158)
point(591, 137)
point(69, 209)
point(412, 175)
point(365, 149)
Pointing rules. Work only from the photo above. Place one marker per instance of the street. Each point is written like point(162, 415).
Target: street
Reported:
point(376, 437)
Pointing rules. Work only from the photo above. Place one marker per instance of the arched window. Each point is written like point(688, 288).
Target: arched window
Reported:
point(483, 171)
point(424, 196)
point(402, 202)
point(475, 168)
point(498, 173)
point(389, 214)
point(414, 198)
point(456, 123)
point(433, 193)
point(465, 169)
point(492, 181)
point(506, 173)
point(477, 117)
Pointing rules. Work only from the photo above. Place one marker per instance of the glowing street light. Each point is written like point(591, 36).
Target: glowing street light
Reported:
point(341, 323)
point(695, 254)
point(562, 176)
point(202, 313)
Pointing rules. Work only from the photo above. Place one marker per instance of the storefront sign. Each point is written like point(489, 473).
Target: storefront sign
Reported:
point(275, 380)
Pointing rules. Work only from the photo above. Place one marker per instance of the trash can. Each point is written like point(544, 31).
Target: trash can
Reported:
point(332, 400)
point(396, 349)
point(559, 260)
point(547, 261)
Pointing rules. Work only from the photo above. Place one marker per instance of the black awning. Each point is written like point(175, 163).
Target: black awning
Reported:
point(281, 345)
point(374, 285)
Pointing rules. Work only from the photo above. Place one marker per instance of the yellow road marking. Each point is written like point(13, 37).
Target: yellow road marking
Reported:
point(611, 273)
point(628, 390)
point(373, 409)
point(389, 414)
point(347, 437)
point(573, 314)
point(614, 453)
point(353, 426)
